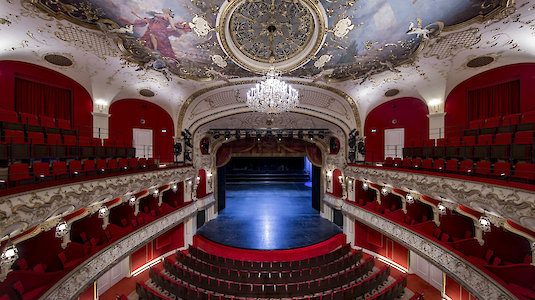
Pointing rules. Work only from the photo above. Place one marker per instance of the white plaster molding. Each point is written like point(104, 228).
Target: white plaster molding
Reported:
point(470, 277)
point(75, 283)
point(33, 207)
point(333, 201)
point(509, 203)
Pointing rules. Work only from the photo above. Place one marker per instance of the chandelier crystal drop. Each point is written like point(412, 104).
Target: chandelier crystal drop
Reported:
point(272, 95)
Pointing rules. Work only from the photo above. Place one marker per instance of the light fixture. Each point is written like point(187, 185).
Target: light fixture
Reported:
point(155, 193)
point(132, 201)
point(441, 209)
point(484, 223)
point(9, 255)
point(384, 191)
point(61, 229)
point(103, 212)
point(340, 179)
point(365, 186)
point(174, 188)
point(272, 95)
point(409, 198)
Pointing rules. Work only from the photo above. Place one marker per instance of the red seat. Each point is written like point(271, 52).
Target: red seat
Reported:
point(492, 122)
point(427, 164)
point(522, 148)
point(466, 167)
point(84, 141)
point(41, 171)
point(59, 170)
point(397, 162)
point(525, 172)
point(86, 149)
point(96, 142)
point(452, 165)
point(467, 149)
point(406, 163)
point(527, 122)
point(509, 123)
point(67, 262)
point(482, 149)
point(123, 164)
point(483, 168)
point(27, 295)
point(112, 165)
point(476, 124)
point(389, 161)
point(14, 137)
point(133, 163)
point(19, 174)
point(89, 167)
point(9, 116)
point(64, 124)
point(453, 146)
point(53, 139)
point(47, 122)
point(500, 148)
point(101, 165)
point(416, 163)
point(151, 162)
point(75, 168)
point(438, 164)
point(69, 140)
point(501, 169)
point(143, 162)
point(31, 121)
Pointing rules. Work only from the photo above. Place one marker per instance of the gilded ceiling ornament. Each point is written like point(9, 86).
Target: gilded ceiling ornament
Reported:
point(322, 61)
point(342, 27)
point(200, 26)
point(218, 60)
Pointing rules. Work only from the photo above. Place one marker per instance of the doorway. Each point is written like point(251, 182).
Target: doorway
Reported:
point(394, 142)
point(142, 141)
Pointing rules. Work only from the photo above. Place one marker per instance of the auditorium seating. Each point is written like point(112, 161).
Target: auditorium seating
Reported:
point(339, 274)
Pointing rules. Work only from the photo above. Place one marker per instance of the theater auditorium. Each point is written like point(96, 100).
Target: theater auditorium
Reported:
point(267, 149)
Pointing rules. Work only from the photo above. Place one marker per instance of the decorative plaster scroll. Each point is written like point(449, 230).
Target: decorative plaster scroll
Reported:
point(76, 282)
point(470, 277)
point(509, 203)
point(34, 207)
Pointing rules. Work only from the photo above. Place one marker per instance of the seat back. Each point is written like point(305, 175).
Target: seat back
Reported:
point(427, 163)
point(9, 116)
point(493, 122)
point(36, 138)
point(64, 124)
point(511, 119)
point(112, 164)
point(452, 165)
point(504, 138)
point(476, 124)
point(406, 163)
point(75, 166)
point(416, 163)
point(467, 167)
point(53, 139)
point(59, 168)
point(502, 169)
point(389, 161)
point(123, 163)
point(524, 137)
point(89, 165)
point(524, 171)
point(69, 140)
point(47, 122)
point(41, 169)
point(29, 119)
point(18, 172)
point(483, 167)
point(14, 136)
point(438, 164)
point(132, 163)
point(485, 140)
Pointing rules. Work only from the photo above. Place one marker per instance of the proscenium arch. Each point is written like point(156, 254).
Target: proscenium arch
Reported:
point(196, 95)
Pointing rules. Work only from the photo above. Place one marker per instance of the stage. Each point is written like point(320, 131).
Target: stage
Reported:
point(268, 216)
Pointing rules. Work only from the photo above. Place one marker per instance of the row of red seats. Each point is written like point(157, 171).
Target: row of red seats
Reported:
point(501, 146)
point(499, 124)
point(19, 174)
point(524, 172)
point(19, 121)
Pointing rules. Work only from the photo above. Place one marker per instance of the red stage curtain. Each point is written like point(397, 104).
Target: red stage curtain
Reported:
point(41, 99)
point(496, 100)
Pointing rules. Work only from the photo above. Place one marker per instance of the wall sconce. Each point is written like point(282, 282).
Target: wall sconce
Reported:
point(9, 255)
point(409, 198)
point(384, 191)
point(101, 104)
point(365, 186)
point(197, 180)
point(155, 193)
point(103, 212)
point(341, 179)
point(484, 223)
point(441, 209)
point(434, 105)
point(132, 201)
point(174, 187)
point(61, 229)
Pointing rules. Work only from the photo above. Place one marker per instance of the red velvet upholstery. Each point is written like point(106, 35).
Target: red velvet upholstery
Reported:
point(53, 139)
point(41, 170)
point(14, 136)
point(18, 172)
point(427, 164)
point(469, 140)
point(389, 161)
point(133, 163)
point(501, 169)
point(27, 295)
point(483, 167)
point(123, 163)
point(9, 116)
point(438, 164)
point(511, 119)
point(22, 264)
point(485, 139)
point(40, 268)
point(503, 139)
point(48, 122)
point(397, 162)
point(441, 142)
point(528, 117)
point(466, 167)
point(102, 165)
point(29, 119)
point(96, 142)
point(143, 162)
point(417, 163)
point(493, 122)
point(64, 124)
point(452, 165)
point(476, 124)
point(84, 141)
point(69, 140)
point(406, 163)
point(75, 168)
point(151, 162)
point(89, 166)
point(66, 262)
point(59, 169)
point(525, 171)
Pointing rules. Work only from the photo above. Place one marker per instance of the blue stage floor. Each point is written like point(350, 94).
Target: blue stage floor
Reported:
point(268, 216)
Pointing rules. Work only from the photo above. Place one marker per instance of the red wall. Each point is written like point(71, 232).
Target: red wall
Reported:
point(337, 186)
point(455, 105)
point(127, 114)
point(455, 291)
point(410, 113)
point(371, 239)
point(201, 187)
point(168, 241)
point(82, 103)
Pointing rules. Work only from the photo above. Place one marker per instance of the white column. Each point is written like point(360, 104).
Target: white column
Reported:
point(327, 212)
point(436, 125)
point(189, 230)
point(188, 189)
point(101, 125)
point(349, 229)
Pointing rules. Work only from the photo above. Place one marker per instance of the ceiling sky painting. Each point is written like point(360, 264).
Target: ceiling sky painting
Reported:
point(356, 38)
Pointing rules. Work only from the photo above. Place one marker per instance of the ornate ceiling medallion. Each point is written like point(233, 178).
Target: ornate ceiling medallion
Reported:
point(284, 34)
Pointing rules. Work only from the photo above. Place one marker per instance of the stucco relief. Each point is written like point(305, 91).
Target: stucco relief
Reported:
point(31, 208)
point(479, 284)
point(509, 203)
point(85, 274)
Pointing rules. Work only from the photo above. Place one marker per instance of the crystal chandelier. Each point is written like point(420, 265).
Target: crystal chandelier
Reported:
point(272, 95)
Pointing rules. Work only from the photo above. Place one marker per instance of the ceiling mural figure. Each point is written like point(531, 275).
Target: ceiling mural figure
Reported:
point(354, 39)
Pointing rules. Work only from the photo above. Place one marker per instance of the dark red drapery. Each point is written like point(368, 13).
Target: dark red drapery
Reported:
point(42, 99)
point(496, 100)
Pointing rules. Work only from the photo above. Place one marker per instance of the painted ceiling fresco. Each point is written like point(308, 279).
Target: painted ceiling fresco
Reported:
point(180, 37)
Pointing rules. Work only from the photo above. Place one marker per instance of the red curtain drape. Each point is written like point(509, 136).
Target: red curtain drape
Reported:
point(496, 100)
point(41, 99)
